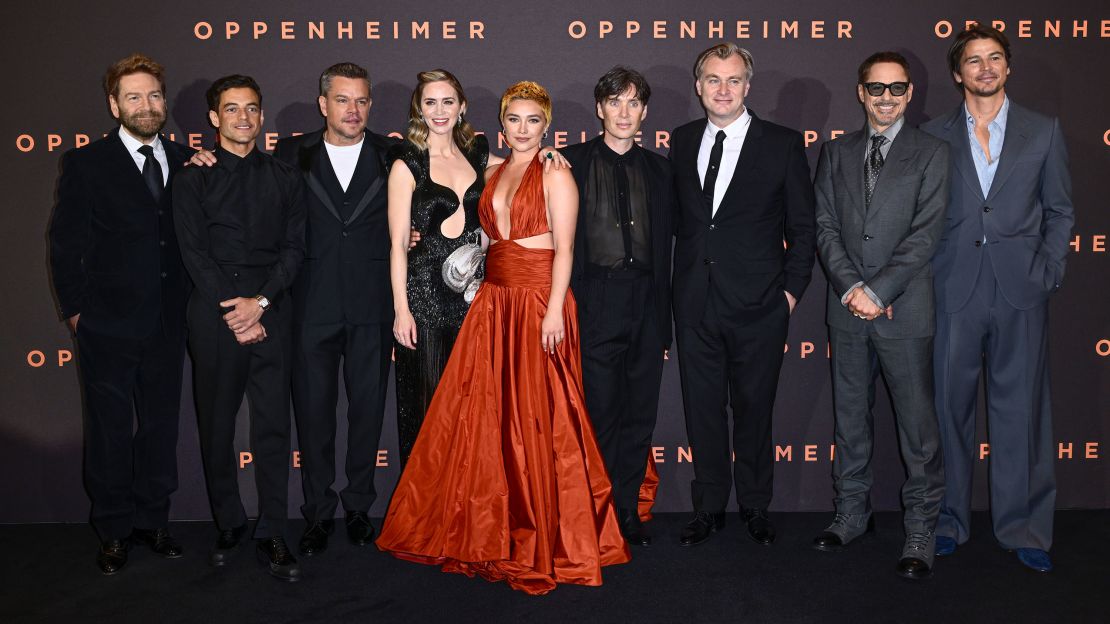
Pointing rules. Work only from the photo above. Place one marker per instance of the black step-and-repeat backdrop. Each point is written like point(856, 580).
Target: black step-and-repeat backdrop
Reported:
point(806, 54)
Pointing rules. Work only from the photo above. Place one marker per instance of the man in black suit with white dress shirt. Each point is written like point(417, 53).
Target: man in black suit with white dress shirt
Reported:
point(743, 190)
point(122, 289)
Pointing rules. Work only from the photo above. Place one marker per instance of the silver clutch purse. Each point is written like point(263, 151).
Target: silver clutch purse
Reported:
point(462, 270)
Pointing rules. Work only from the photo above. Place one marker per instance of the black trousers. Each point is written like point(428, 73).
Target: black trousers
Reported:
point(365, 353)
point(622, 366)
point(130, 471)
point(224, 371)
point(724, 363)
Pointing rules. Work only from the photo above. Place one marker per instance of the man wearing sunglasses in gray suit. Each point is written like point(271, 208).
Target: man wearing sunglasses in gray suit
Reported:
point(881, 194)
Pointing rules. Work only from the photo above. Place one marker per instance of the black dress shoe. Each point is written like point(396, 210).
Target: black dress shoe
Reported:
point(760, 528)
point(159, 540)
point(315, 538)
point(112, 556)
point(632, 528)
point(359, 529)
point(701, 527)
point(226, 545)
point(273, 552)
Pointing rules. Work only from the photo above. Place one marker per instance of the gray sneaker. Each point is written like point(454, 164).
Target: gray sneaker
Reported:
point(917, 556)
point(845, 529)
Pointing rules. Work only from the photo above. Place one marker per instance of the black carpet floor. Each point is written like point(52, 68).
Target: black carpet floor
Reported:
point(50, 576)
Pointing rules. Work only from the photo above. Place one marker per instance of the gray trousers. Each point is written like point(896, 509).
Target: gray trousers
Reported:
point(1009, 347)
point(907, 367)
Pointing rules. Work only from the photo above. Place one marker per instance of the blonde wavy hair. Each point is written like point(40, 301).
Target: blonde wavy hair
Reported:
point(417, 132)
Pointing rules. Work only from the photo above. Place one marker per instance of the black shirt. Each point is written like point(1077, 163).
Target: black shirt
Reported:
point(242, 212)
point(618, 230)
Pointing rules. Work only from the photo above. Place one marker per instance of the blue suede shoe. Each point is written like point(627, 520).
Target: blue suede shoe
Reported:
point(1035, 559)
point(945, 546)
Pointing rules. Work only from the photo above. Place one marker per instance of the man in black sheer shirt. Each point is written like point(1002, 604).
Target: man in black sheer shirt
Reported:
point(241, 227)
point(621, 279)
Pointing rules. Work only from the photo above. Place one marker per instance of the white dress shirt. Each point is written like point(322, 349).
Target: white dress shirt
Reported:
point(132, 144)
point(735, 133)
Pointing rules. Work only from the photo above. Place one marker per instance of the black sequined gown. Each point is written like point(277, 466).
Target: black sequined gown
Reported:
point(437, 310)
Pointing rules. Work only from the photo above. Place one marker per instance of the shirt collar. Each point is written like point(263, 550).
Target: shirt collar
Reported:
point(230, 161)
point(890, 133)
point(735, 129)
point(133, 144)
point(612, 157)
point(999, 119)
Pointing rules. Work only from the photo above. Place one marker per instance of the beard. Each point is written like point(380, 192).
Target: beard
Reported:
point(143, 125)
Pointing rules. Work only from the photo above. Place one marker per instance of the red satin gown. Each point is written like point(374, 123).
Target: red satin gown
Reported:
point(506, 480)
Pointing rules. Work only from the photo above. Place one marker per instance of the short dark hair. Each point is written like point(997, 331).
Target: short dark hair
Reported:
point(976, 31)
point(342, 70)
point(883, 57)
point(134, 64)
point(234, 81)
point(617, 80)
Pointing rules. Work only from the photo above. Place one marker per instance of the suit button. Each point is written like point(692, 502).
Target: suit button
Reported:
point(235, 275)
point(867, 237)
point(162, 243)
point(712, 227)
point(978, 243)
point(344, 234)
point(161, 212)
point(163, 274)
point(346, 203)
point(986, 208)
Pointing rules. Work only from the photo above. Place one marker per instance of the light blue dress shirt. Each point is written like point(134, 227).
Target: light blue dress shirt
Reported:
point(997, 128)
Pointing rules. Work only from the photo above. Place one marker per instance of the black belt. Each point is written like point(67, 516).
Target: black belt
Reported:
point(594, 271)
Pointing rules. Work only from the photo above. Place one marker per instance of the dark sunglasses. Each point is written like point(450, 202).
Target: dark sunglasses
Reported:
point(897, 89)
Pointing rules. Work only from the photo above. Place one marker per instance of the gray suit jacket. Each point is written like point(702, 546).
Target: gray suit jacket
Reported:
point(888, 245)
point(1026, 217)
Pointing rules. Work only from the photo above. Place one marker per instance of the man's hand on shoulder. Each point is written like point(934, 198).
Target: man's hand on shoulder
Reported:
point(202, 158)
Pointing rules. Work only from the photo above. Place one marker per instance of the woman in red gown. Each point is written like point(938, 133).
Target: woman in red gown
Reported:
point(506, 480)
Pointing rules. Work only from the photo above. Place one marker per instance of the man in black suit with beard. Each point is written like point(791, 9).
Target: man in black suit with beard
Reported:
point(743, 190)
point(343, 304)
point(122, 290)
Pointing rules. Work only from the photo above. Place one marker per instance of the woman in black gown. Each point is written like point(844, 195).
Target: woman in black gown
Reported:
point(436, 194)
point(434, 199)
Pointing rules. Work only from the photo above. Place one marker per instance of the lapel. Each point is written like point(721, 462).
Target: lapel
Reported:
point(961, 150)
point(369, 163)
point(124, 163)
point(901, 152)
point(689, 167)
point(1017, 137)
point(851, 156)
point(307, 155)
point(745, 164)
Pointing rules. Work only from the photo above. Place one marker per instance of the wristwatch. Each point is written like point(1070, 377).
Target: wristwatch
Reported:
point(263, 302)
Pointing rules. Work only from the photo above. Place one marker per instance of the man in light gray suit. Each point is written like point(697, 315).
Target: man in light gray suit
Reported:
point(1002, 255)
point(881, 194)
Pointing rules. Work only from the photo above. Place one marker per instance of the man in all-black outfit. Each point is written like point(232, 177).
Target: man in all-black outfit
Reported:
point(743, 190)
point(621, 276)
point(241, 226)
point(121, 287)
point(343, 304)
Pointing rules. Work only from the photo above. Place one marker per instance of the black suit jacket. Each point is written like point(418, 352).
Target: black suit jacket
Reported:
point(738, 253)
point(661, 205)
point(345, 275)
point(113, 251)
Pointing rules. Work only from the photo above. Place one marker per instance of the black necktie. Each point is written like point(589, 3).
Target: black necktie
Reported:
point(873, 165)
point(152, 173)
point(714, 166)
